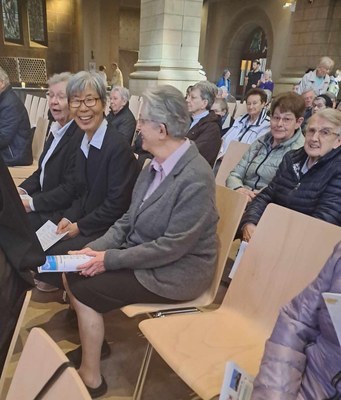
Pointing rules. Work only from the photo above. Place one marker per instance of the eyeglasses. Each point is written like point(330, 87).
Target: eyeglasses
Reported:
point(88, 102)
point(323, 133)
point(58, 96)
point(285, 120)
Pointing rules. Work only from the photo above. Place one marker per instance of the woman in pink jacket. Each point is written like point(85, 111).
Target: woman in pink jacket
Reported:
point(302, 358)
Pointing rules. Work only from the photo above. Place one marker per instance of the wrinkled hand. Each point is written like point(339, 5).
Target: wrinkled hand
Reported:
point(249, 193)
point(65, 225)
point(93, 267)
point(248, 231)
point(26, 204)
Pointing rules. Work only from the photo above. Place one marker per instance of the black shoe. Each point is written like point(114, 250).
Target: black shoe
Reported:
point(75, 356)
point(99, 390)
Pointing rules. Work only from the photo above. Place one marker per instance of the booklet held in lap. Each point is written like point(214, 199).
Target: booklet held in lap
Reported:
point(65, 263)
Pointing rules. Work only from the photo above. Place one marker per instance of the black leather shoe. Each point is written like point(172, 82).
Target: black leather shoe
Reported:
point(75, 356)
point(98, 391)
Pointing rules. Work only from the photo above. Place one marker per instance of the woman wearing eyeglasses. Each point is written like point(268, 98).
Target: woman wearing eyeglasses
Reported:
point(105, 172)
point(309, 179)
point(163, 250)
point(260, 163)
point(302, 358)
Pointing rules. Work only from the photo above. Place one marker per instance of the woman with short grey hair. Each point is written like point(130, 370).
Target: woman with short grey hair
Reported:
point(120, 116)
point(151, 254)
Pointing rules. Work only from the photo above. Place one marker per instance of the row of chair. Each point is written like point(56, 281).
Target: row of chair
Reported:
point(237, 109)
point(37, 107)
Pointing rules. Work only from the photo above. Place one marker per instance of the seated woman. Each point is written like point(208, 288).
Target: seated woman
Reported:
point(164, 248)
point(303, 354)
point(250, 126)
point(260, 163)
point(105, 171)
point(309, 179)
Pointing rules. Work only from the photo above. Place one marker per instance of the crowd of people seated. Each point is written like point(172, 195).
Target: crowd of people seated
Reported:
point(146, 229)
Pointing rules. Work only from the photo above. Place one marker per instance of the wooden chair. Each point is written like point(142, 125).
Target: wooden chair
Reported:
point(40, 110)
point(135, 105)
point(231, 158)
point(39, 360)
point(22, 172)
point(232, 108)
point(230, 205)
point(14, 338)
point(28, 102)
point(33, 111)
point(240, 109)
point(286, 252)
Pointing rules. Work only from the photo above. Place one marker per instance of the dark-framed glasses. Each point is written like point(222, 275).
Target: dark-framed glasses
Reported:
point(88, 102)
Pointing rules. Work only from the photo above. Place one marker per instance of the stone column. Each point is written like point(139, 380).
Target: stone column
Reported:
point(169, 45)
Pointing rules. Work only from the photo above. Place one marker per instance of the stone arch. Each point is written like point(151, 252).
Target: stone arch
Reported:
point(235, 36)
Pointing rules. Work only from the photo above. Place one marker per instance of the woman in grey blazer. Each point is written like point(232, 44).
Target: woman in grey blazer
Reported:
point(164, 248)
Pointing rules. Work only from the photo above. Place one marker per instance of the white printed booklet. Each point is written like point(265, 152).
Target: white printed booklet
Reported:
point(65, 263)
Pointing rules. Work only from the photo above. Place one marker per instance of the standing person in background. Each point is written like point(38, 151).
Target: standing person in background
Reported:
point(225, 81)
point(253, 77)
point(117, 77)
point(102, 72)
point(15, 130)
point(266, 81)
point(318, 79)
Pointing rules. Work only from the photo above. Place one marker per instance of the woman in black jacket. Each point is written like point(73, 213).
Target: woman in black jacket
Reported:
point(309, 179)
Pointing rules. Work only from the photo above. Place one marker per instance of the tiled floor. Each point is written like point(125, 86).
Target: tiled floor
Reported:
point(47, 310)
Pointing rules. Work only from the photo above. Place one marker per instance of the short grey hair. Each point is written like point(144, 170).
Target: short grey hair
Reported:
point(208, 91)
point(124, 92)
point(326, 62)
point(4, 77)
point(331, 115)
point(57, 78)
point(166, 105)
point(86, 79)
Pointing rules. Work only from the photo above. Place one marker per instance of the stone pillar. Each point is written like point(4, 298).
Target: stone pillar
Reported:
point(169, 45)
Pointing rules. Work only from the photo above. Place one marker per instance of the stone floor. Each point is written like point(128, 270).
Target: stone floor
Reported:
point(47, 310)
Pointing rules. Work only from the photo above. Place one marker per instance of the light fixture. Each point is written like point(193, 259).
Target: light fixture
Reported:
point(290, 4)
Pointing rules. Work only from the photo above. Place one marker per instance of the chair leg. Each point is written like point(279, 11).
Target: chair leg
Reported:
point(143, 372)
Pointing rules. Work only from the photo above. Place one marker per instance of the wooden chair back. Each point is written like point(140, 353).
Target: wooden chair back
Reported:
point(39, 138)
point(39, 360)
point(285, 254)
point(41, 109)
point(14, 339)
point(27, 103)
point(232, 108)
point(33, 111)
point(231, 158)
point(240, 109)
point(134, 105)
point(230, 206)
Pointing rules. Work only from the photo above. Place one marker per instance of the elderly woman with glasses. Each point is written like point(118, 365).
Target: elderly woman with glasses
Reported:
point(163, 250)
point(302, 358)
point(259, 164)
point(309, 179)
point(105, 171)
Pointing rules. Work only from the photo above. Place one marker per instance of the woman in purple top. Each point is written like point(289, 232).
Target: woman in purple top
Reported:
point(266, 81)
point(302, 358)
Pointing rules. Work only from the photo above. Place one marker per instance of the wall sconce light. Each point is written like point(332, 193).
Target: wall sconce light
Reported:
point(292, 5)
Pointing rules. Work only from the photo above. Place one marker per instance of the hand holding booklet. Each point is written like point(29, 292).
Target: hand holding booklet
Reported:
point(65, 263)
point(48, 236)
